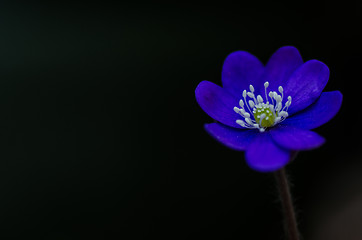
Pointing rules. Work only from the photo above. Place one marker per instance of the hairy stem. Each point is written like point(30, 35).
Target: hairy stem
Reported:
point(287, 204)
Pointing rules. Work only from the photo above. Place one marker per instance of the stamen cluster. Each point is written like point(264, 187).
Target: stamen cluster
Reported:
point(260, 115)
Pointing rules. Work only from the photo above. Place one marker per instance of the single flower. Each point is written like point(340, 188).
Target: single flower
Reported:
point(268, 111)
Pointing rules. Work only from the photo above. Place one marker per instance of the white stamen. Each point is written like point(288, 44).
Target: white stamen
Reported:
point(260, 99)
point(251, 88)
point(241, 103)
point(251, 104)
point(275, 94)
point(241, 123)
point(271, 95)
point(244, 95)
point(266, 85)
point(250, 94)
point(248, 120)
point(277, 119)
point(283, 114)
point(246, 115)
point(280, 89)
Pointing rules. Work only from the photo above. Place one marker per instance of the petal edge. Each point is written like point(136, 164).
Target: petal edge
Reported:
point(319, 113)
point(280, 67)
point(217, 103)
point(264, 155)
point(306, 84)
point(233, 138)
point(296, 139)
point(240, 69)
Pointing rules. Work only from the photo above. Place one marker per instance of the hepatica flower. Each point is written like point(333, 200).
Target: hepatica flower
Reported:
point(269, 111)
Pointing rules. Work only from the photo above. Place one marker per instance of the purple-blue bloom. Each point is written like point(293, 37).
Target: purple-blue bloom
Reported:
point(268, 111)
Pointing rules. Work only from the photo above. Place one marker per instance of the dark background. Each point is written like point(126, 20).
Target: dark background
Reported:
point(101, 136)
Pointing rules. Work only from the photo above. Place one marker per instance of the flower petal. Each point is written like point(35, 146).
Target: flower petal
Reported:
point(233, 138)
point(323, 110)
point(240, 69)
point(296, 138)
point(217, 103)
point(264, 155)
point(280, 67)
point(306, 84)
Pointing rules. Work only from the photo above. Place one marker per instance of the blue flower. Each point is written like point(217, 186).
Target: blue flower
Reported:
point(268, 111)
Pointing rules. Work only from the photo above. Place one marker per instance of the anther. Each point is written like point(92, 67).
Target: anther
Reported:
point(283, 114)
point(251, 88)
point(277, 120)
point(251, 104)
point(280, 89)
point(241, 103)
point(250, 94)
point(241, 123)
point(248, 120)
point(260, 99)
point(247, 115)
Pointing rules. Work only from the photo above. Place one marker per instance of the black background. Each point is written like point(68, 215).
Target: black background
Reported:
point(101, 136)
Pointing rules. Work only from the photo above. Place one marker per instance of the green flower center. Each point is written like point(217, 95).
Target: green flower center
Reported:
point(264, 117)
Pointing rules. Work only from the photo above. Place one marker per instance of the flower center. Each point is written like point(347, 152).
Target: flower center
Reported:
point(264, 114)
point(260, 115)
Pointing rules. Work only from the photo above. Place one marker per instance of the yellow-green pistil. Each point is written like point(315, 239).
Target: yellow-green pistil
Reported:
point(264, 117)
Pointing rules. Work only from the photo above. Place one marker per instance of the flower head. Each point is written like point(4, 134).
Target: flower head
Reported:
point(268, 111)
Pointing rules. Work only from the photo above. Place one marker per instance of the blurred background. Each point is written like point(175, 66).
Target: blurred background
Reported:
point(101, 136)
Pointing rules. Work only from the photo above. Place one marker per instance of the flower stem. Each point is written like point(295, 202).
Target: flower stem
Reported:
point(287, 204)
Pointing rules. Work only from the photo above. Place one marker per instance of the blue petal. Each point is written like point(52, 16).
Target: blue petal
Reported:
point(280, 67)
point(306, 84)
point(240, 69)
point(264, 155)
point(323, 110)
point(236, 139)
point(217, 103)
point(296, 138)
